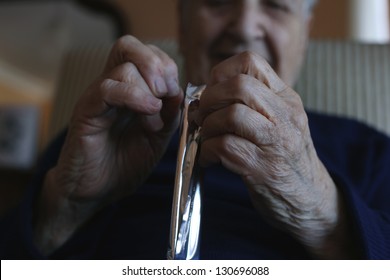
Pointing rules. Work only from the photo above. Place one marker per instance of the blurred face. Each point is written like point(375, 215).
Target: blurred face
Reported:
point(213, 30)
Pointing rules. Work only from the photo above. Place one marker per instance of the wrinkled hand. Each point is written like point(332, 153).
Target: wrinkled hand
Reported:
point(119, 130)
point(122, 125)
point(256, 126)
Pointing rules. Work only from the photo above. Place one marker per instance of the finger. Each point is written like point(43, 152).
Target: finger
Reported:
point(170, 71)
point(131, 93)
point(127, 90)
point(231, 151)
point(248, 63)
point(153, 123)
point(241, 89)
point(239, 120)
point(167, 119)
point(157, 69)
point(134, 98)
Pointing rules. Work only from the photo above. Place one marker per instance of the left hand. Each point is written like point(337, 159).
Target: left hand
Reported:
point(256, 126)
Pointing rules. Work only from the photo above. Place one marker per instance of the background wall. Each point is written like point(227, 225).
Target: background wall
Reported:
point(331, 19)
point(149, 19)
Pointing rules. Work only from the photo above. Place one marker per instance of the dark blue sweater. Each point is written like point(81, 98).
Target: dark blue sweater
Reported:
point(137, 227)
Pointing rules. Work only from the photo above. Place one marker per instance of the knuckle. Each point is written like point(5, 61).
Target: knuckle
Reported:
point(171, 67)
point(123, 72)
point(240, 83)
point(226, 143)
point(105, 86)
point(217, 74)
point(301, 120)
point(124, 41)
point(106, 83)
point(154, 48)
point(252, 60)
point(169, 63)
point(268, 133)
point(153, 63)
point(248, 57)
point(127, 68)
point(297, 112)
point(165, 60)
point(230, 119)
point(122, 44)
point(235, 115)
point(235, 112)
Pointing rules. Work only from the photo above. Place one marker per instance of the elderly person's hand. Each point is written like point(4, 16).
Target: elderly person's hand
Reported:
point(256, 126)
point(119, 130)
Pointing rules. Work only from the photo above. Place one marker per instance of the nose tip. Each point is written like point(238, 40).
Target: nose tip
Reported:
point(248, 22)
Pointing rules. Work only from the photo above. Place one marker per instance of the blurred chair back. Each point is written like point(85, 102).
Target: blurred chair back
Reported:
point(348, 79)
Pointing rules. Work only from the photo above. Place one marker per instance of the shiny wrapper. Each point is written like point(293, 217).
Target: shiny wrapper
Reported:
point(187, 199)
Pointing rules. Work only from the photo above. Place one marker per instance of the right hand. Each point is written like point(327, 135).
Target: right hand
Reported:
point(119, 130)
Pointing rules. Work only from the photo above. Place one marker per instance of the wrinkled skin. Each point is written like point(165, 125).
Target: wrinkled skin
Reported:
point(119, 130)
point(248, 53)
point(255, 126)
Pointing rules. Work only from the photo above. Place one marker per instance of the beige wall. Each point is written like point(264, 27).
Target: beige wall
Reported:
point(331, 19)
point(156, 19)
point(149, 19)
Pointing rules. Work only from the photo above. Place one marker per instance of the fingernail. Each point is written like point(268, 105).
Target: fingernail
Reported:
point(156, 103)
point(160, 85)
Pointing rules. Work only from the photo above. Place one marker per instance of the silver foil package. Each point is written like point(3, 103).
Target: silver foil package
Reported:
point(187, 198)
